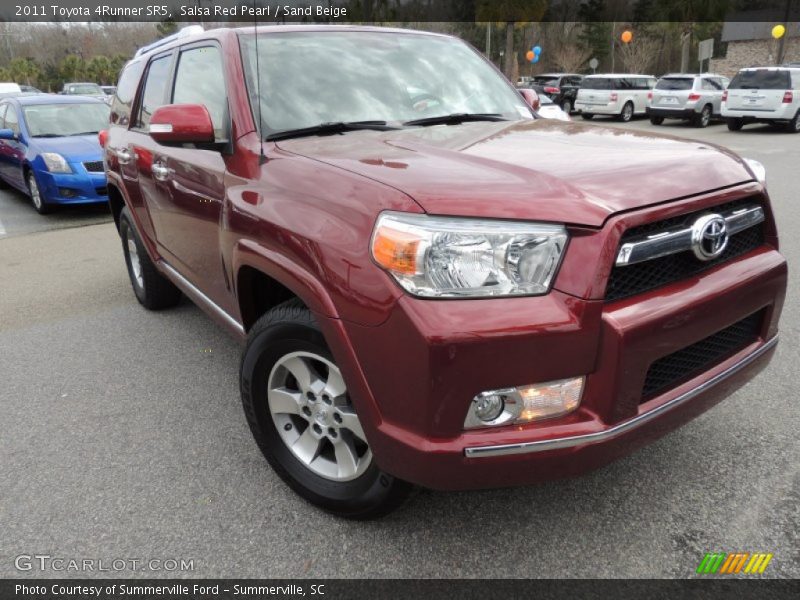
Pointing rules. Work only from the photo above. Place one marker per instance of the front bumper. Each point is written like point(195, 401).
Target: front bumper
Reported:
point(412, 378)
point(79, 187)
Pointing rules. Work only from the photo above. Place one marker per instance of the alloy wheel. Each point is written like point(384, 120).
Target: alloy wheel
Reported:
point(36, 195)
point(312, 413)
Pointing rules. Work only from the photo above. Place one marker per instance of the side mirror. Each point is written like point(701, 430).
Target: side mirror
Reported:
point(7, 134)
point(531, 98)
point(182, 124)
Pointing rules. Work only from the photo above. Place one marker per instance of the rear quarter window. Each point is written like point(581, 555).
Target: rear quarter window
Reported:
point(762, 80)
point(126, 92)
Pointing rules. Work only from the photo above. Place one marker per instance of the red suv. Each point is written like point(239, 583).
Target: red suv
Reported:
point(435, 286)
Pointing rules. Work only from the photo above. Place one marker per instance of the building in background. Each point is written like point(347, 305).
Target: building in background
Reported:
point(750, 44)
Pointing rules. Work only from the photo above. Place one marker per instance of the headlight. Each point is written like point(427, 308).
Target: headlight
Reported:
point(445, 257)
point(759, 171)
point(55, 163)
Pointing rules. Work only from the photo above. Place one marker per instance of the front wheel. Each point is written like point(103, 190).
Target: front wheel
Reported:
point(734, 124)
point(300, 412)
point(36, 195)
point(566, 106)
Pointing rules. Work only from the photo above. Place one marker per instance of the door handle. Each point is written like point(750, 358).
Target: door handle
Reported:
point(161, 172)
point(124, 155)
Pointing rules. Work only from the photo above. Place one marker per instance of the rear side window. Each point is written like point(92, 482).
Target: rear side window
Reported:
point(155, 87)
point(199, 80)
point(674, 83)
point(761, 79)
point(126, 92)
point(711, 84)
point(598, 83)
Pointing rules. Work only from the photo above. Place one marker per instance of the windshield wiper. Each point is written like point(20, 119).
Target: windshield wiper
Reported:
point(457, 118)
point(330, 129)
point(85, 133)
point(48, 135)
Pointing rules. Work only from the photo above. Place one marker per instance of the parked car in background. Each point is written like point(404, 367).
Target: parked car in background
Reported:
point(50, 151)
point(109, 90)
point(92, 90)
point(29, 89)
point(622, 96)
point(550, 110)
point(763, 95)
point(694, 98)
point(449, 293)
point(561, 88)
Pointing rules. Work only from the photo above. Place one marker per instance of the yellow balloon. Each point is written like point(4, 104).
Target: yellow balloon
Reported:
point(778, 31)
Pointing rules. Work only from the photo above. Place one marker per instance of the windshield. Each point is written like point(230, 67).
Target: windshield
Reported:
point(761, 79)
point(85, 88)
point(57, 120)
point(344, 76)
point(675, 83)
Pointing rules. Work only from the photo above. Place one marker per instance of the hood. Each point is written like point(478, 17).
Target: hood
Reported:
point(77, 147)
point(534, 170)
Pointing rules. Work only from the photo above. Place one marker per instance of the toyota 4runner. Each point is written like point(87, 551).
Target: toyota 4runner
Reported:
point(434, 286)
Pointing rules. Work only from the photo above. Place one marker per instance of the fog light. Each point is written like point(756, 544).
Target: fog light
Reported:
point(489, 407)
point(525, 404)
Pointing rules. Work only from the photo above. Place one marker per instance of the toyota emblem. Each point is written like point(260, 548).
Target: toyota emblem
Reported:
point(709, 236)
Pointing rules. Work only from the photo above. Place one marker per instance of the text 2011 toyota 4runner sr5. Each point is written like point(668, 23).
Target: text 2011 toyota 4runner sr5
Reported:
point(435, 286)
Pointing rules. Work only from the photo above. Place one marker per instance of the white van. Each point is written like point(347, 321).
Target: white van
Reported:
point(620, 95)
point(763, 95)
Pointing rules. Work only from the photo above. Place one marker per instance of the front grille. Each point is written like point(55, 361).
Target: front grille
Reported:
point(94, 166)
point(101, 191)
point(675, 368)
point(640, 277)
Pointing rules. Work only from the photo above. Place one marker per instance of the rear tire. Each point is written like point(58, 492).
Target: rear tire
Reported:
point(626, 114)
point(793, 126)
point(703, 118)
point(566, 106)
point(37, 199)
point(656, 120)
point(587, 116)
point(296, 403)
point(152, 289)
point(734, 124)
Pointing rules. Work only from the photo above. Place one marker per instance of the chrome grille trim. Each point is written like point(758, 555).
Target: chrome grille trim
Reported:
point(675, 241)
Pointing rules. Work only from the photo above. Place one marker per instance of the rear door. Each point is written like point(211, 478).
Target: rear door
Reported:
point(758, 90)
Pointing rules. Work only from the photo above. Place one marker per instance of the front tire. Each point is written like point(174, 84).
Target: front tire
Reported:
point(299, 411)
point(37, 199)
point(734, 124)
point(566, 106)
point(152, 289)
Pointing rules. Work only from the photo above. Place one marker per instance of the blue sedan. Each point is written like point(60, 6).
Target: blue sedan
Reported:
point(50, 151)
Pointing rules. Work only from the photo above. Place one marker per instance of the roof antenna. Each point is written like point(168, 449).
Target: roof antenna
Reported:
point(261, 157)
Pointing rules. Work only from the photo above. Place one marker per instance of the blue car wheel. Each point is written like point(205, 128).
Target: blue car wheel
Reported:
point(36, 196)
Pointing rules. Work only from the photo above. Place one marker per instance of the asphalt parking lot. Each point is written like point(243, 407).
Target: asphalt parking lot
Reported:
point(123, 438)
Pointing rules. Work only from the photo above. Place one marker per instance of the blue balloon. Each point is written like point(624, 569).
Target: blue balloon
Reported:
point(537, 50)
point(535, 58)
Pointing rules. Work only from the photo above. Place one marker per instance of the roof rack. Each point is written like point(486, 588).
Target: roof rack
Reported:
point(182, 33)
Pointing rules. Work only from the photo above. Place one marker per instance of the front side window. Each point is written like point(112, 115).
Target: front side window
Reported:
point(199, 80)
point(154, 89)
point(125, 92)
point(62, 120)
point(12, 120)
point(376, 77)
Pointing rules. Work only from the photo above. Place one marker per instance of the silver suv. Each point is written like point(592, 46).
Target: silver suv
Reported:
point(695, 98)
